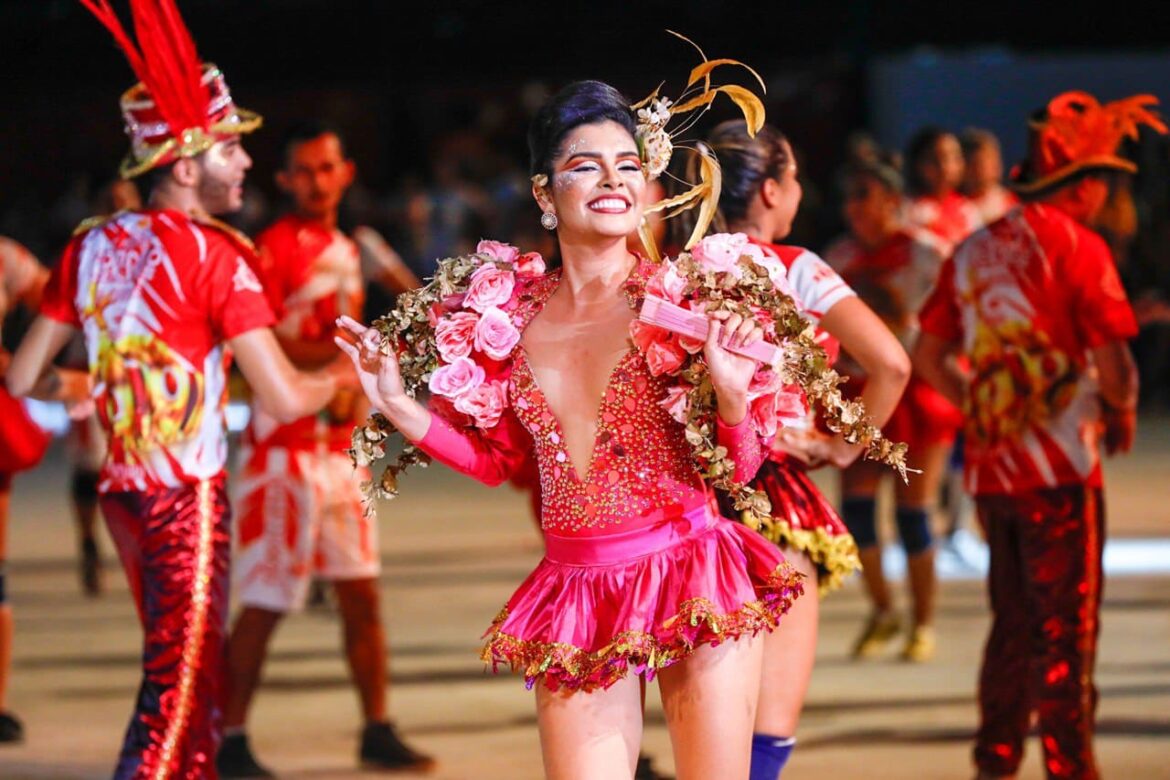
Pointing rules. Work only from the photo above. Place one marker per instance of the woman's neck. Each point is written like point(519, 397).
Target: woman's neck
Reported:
point(593, 271)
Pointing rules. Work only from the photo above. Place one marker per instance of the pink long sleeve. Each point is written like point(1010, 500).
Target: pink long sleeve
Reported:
point(743, 446)
point(490, 456)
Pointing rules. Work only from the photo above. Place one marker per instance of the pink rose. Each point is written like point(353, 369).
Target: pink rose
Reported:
point(720, 252)
point(490, 286)
point(495, 335)
point(791, 405)
point(457, 378)
point(664, 357)
point(753, 252)
point(505, 253)
point(691, 346)
point(764, 382)
point(484, 404)
point(669, 285)
point(763, 413)
point(675, 403)
point(644, 335)
point(530, 264)
point(454, 335)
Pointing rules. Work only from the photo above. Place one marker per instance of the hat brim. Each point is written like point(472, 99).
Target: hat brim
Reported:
point(240, 122)
point(1027, 185)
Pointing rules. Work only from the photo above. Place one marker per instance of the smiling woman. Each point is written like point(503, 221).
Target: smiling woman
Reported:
point(641, 575)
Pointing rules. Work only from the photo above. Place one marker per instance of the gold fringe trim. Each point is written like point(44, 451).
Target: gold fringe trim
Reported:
point(696, 623)
point(835, 557)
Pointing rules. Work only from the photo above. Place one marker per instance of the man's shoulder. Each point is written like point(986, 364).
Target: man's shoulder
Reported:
point(1061, 235)
point(219, 232)
point(283, 230)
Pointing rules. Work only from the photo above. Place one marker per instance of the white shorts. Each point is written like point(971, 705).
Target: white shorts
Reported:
point(299, 515)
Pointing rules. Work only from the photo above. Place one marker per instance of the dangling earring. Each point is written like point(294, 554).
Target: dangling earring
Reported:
point(548, 220)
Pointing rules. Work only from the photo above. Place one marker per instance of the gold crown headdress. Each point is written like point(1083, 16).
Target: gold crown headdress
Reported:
point(656, 142)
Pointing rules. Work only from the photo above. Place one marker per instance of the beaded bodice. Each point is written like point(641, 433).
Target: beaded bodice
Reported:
point(640, 465)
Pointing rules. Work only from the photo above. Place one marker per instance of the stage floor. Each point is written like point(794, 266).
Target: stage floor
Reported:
point(453, 551)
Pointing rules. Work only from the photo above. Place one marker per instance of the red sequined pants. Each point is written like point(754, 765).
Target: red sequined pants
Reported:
point(1045, 588)
point(174, 545)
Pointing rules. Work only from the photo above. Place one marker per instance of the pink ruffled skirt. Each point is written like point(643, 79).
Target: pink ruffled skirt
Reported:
point(596, 608)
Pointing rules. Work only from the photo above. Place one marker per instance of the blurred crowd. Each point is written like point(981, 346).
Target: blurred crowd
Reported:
point(473, 183)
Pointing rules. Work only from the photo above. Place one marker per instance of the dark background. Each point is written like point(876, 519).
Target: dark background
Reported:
point(399, 76)
point(434, 97)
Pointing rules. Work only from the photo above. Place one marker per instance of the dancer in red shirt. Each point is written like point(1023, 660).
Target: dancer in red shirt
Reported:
point(1035, 303)
point(300, 507)
point(760, 195)
point(983, 175)
point(22, 280)
point(893, 270)
point(934, 171)
point(165, 296)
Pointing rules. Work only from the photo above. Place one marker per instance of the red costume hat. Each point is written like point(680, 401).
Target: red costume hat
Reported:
point(1075, 133)
point(180, 107)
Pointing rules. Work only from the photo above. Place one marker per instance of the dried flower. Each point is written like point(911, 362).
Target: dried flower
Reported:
point(442, 342)
point(725, 271)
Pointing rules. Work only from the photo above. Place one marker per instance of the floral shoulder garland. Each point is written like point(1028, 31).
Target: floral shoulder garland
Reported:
point(728, 272)
point(453, 336)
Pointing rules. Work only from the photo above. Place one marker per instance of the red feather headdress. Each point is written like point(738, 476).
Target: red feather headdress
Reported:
point(181, 106)
point(1077, 133)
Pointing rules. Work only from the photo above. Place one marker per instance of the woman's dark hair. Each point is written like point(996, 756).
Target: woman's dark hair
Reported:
point(883, 169)
point(745, 162)
point(920, 145)
point(580, 103)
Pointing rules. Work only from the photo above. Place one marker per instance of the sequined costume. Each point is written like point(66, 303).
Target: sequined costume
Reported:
point(802, 518)
point(1027, 297)
point(639, 568)
point(157, 294)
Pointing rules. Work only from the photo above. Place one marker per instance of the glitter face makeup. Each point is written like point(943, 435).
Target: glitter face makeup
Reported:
point(598, 186)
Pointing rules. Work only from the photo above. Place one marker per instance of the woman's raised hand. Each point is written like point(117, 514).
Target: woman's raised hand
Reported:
point(377, 372)
point(731, 373)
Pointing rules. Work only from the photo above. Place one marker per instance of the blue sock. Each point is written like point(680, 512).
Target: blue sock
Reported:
point(769, 755)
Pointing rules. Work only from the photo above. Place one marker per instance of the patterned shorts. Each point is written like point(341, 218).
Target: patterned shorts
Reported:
point(299, 515)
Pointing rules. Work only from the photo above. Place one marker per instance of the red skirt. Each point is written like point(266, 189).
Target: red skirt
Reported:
point(923, 418)
point(803, 520)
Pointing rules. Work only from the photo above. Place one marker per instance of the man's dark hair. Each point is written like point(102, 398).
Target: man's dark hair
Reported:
point(151, 180)
point(307, 130)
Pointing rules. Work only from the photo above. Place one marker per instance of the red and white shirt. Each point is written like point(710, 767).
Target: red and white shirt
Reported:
point(1028, 297)
point(817, 286)
point(948, 219)
point(157, 295)
point(815, 283)
point(994, 203)
point(311, 276)
point(894, 279)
